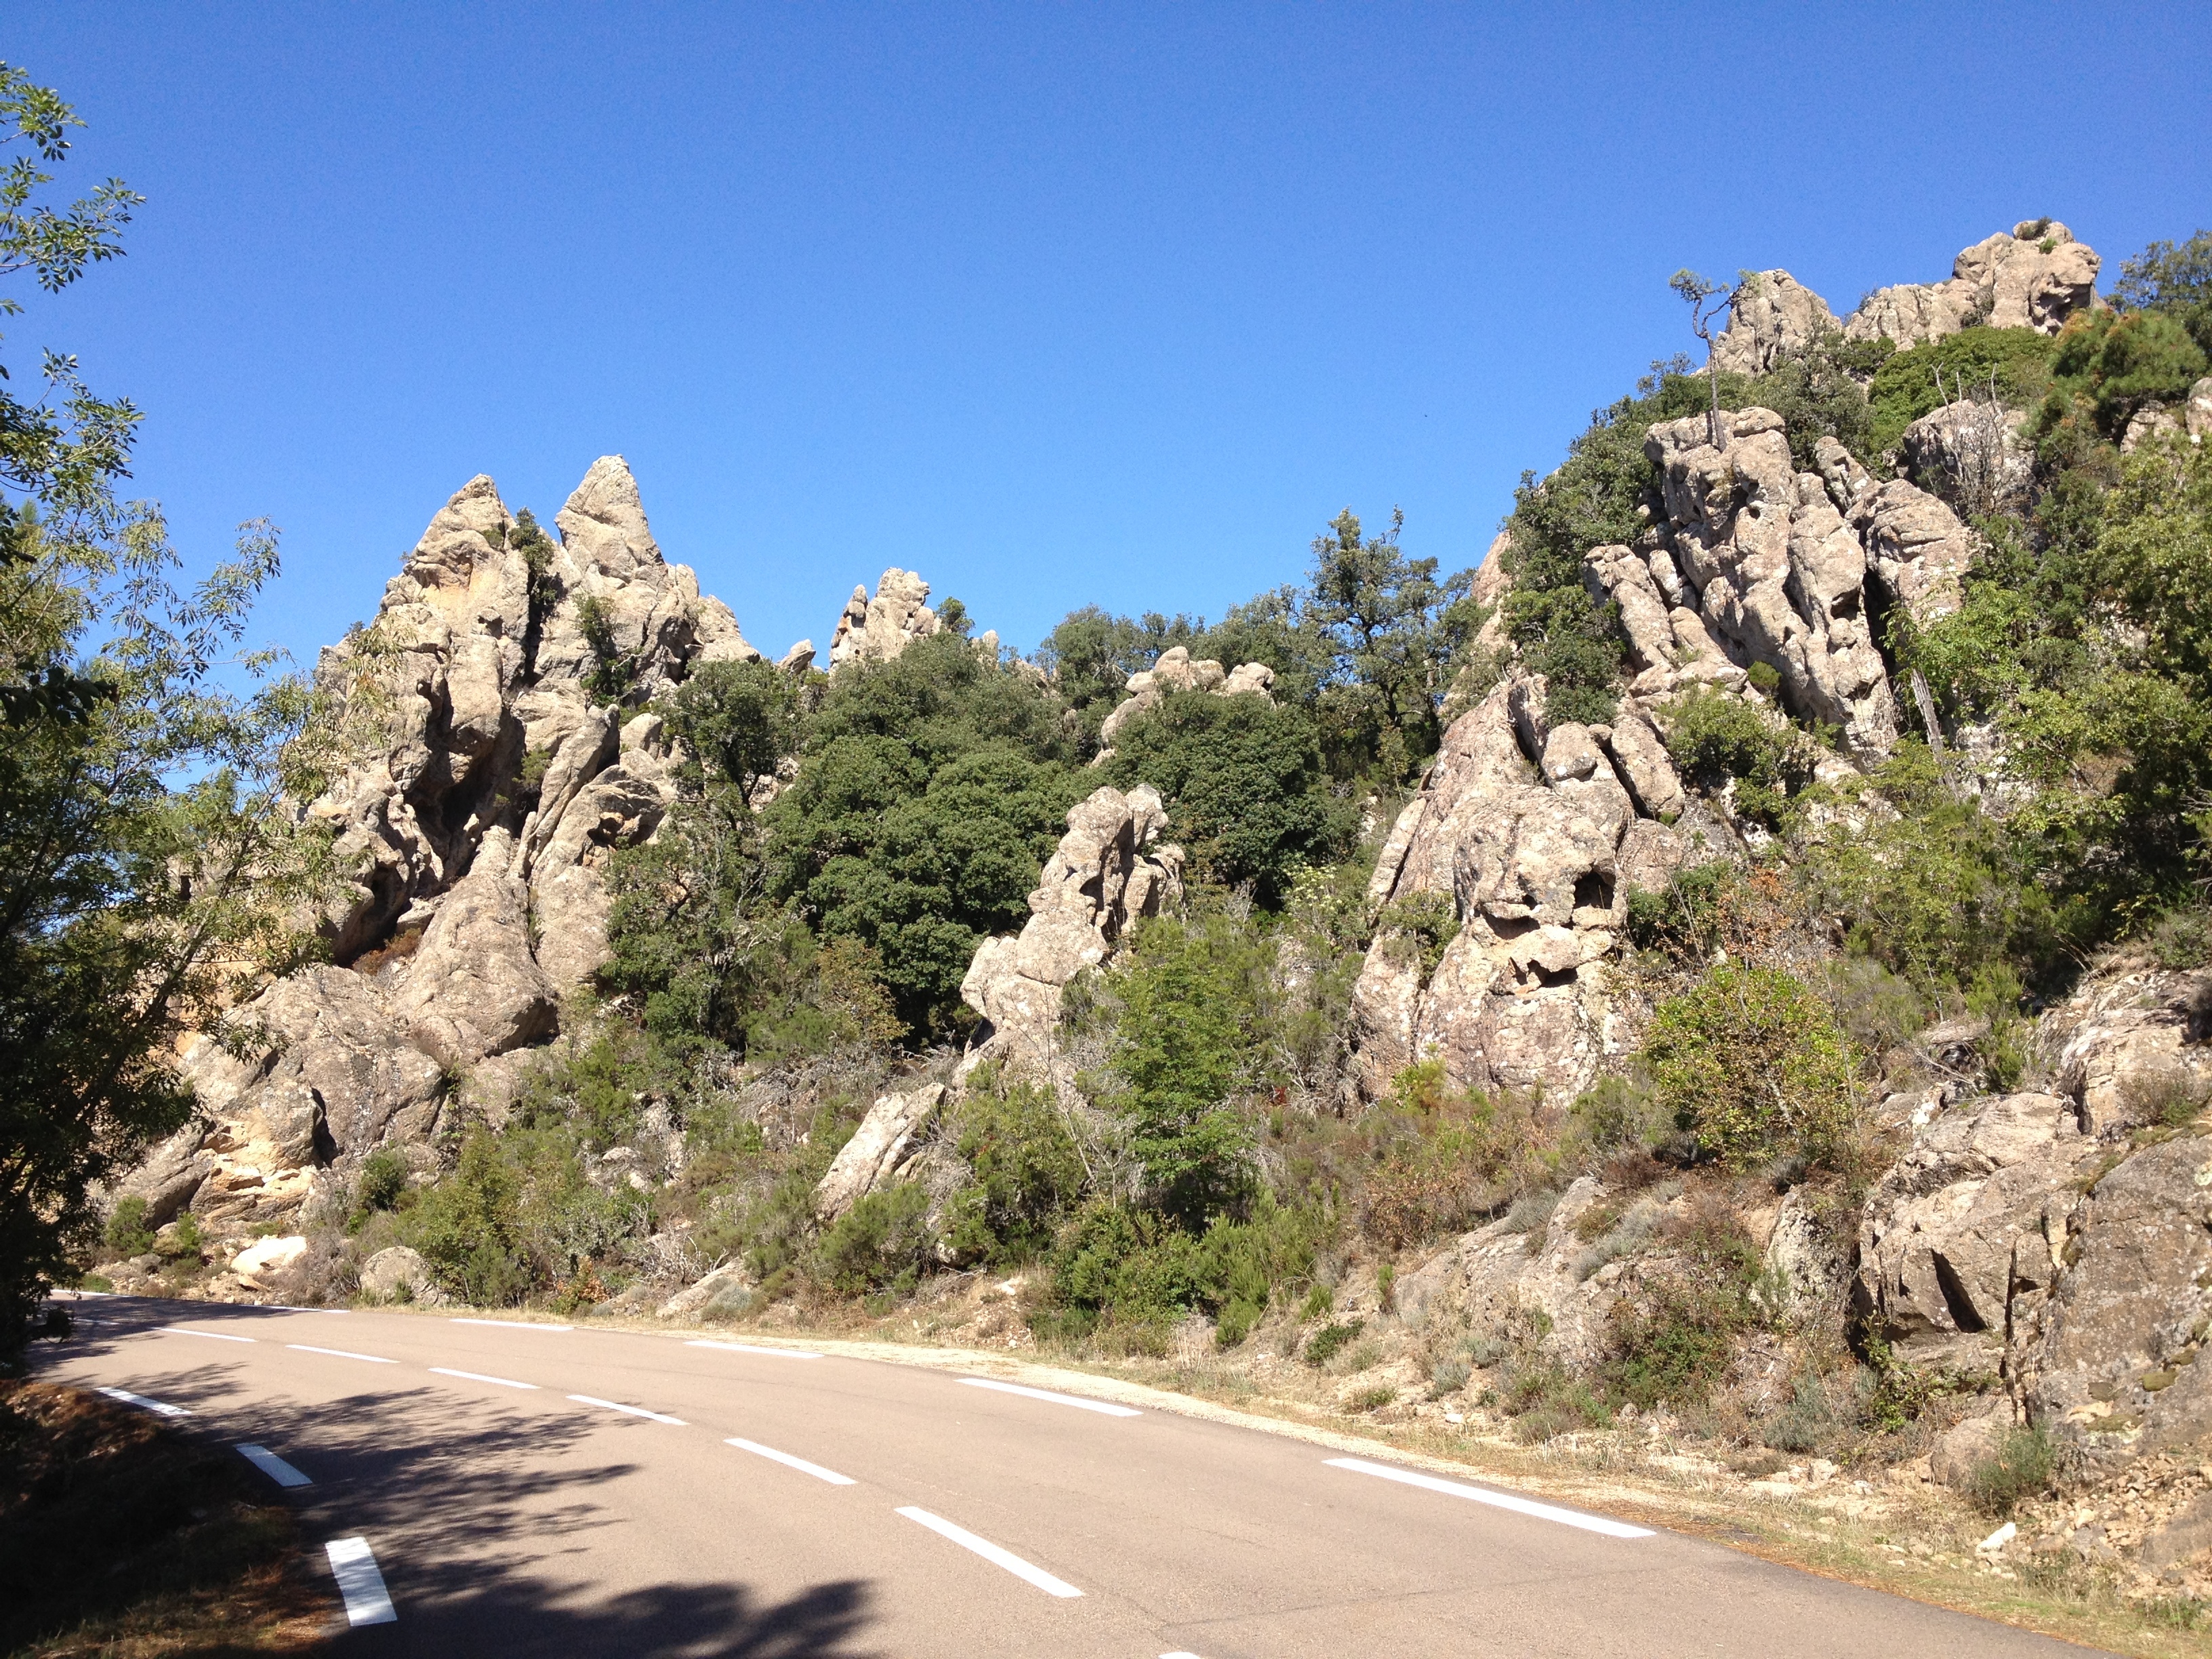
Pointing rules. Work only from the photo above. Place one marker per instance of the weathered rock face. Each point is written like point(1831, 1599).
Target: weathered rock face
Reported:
point(2036, 277)
point(878, 629)
point(1110, 872)
point(1778, 575)
point(1496, 1278)
point(1758, 562)
point(1176, 671)
point(1781, 317)
point(1537, 834)
point(478, 687)
point(2063, 1240)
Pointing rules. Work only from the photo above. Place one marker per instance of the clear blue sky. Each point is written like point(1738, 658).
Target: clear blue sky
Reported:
point(1054, 304)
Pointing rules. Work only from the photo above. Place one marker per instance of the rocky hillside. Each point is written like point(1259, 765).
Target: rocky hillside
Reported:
point(1735, 963)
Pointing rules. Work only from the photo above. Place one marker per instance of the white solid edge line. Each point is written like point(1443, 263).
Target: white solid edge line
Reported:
point(130, 1398)
point(342, 1353)
point(286, 1307)
point(513, 1324)
point(273, 1466)
point(478, 1376)
point(628, 1411)
point(1105, 1408)
point(991, 1553)
point(212, 1336)
point(354, 1565)
point(747, 1347)
point(791, 1463)
point(1502, 1500)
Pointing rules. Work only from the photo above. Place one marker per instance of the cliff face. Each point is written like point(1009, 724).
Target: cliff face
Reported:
point(495, 753)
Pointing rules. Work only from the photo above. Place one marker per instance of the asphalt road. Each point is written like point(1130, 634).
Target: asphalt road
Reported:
point(757, 1503)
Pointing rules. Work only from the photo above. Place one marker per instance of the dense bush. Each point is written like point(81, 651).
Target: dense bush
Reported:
point(2109, 364)
point(2176, 281)
point(1751, 1062)
point(1025, 1172)
point(1246, 792)
point(883, 1242)
point(2013, 362)
point(1716, 738)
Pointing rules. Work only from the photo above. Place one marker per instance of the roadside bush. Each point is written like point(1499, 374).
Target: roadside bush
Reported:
point(2024, 1466)
point(1753, 1064)
point(383, 1179)
point(181, 1240)
point(127, 1233)
point(515, 1218)
point(1546, 1399)
point(1026, 1172)
point(2182, 938)
point(883, 1242)
point(1325, 1344)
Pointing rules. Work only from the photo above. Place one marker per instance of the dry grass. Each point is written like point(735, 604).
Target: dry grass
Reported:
point(124, 1539)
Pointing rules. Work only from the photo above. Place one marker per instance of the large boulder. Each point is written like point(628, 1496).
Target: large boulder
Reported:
point(1178, 671)
point(1778, 575)
point(878, 1151)
point(1969, 454)
point(1532, 833)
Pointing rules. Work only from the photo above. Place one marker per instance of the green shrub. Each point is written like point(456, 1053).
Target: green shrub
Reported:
point(614, 667)
point(1752, 1063)
point(2024, 1466)
point(1924, 378)
point(1715, 738)
point(1373, 1398)
point(1547, 1400)
point(1672, 1344)
point(383, 1179)
point(1325, 1344)
point(127, 1233)
point(883, 1242)
point(2182, 938)
point(2177, 280)
point(1026, 1172)
point(1448, 1376)
point(181, 1240)
point(2111, 363)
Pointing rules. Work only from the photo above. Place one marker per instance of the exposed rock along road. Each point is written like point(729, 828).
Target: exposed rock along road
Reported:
point(497, 1488)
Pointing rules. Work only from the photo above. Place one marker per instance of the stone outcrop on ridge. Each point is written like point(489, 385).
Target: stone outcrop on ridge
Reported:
point(2036, 276)
point(877, 630)
point(496, 759)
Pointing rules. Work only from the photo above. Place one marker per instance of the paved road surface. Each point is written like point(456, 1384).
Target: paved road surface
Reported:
point(875, 1509)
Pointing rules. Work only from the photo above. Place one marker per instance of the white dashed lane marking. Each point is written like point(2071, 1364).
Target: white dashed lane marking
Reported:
point(747, 1347)
point(478, 1376)
point(791, 1463)
point(342, 1353)
point(514, 1325)
point(1105, 1409)
point(1503, 1500)
point(273, 1466)
point(145, 1404)
point(354, 1565)
point(212, 1336)
point(991, 1553)
point(627, 1411)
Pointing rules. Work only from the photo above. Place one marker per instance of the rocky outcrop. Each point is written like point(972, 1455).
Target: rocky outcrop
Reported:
point(1176, 671)
point(1501, 1280)
point(878, 629)
point(1778, 575)
point(1535, 834)
point(1110, 871)
point(878, 1151)
point(494, 758)
point(2036, 277)
point(1777, 318)
point(2062, 1241)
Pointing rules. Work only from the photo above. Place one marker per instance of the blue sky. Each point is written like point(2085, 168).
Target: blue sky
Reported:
point(1055, 305)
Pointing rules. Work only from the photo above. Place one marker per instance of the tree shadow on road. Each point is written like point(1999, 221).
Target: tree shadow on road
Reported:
point(476, 1508)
